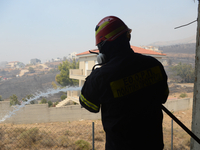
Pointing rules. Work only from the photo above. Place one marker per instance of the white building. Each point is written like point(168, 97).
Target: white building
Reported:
point(58, 59)
point(72, 55)
point(153, 48)
point(88, 60)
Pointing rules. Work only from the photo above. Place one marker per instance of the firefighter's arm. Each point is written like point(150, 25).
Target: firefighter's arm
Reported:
point(89, 96)
point(87, 104)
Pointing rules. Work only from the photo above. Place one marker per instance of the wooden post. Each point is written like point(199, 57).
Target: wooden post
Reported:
point(196, 97)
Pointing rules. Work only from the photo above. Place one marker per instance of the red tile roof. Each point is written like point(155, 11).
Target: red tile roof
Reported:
point(87, 52)
point(145, 51)
point(135, 49)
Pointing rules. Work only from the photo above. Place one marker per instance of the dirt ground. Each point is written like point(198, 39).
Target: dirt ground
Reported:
point(181, 140)
point(176, 89)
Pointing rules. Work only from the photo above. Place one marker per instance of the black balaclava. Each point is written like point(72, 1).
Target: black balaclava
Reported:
point(119, 46)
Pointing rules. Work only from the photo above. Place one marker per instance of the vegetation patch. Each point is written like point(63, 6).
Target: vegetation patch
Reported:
point(64, 141)
point(28, 138)
point(184, 71)
point(83, 145)
point(183, 95)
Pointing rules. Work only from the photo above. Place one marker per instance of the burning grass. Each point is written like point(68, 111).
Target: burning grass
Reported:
point(77, 135)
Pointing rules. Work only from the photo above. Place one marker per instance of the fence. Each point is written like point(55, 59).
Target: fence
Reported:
point(78, 134)
point(175, 138)
point(75, 135)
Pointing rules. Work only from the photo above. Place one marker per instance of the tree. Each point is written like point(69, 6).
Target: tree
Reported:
point(43, 101)
point(40, 67)
point(14, 100)
point(63, 97)
point(54, 85)
point(63, 78)
point(185, 71)
point(31, 70)
point(1, 99)
point(50, 103)
point(27, 98)
point(64, 58)
point(169, 62)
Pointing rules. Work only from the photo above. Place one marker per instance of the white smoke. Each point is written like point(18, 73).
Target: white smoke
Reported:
point(36, 96)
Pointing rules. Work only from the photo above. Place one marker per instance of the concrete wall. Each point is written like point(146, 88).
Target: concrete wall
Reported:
point(40, 113)
point(179, 104)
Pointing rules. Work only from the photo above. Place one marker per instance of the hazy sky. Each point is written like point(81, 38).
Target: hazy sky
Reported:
point(46, 29)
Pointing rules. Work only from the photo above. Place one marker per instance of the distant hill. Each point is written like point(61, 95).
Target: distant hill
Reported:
point(179, 48)
point(188, 40)
point(27, 85)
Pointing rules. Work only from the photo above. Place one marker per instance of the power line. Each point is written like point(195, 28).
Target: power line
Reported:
point(186, 24)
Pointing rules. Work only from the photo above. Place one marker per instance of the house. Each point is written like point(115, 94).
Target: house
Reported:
point(88, 60)
point(20, 65)
point(35, 61)
point(151, 48)
point(58, 59)
point(15, 64)
point(72, 55)
point(12, 64)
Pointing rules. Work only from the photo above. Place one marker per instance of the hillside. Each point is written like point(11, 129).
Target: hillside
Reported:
point(27, 85)
point(179, 48)
point(188, 40)
point(21, 82)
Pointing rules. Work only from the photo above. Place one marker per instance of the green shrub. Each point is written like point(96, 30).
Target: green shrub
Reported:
point(15, 132)
point(56, 103)
point(183, 95)
point(14, 100)
point(54, 85)
point(50, 103)
point(48, 141)
point(64, 141)
point(83, 145)
point(43, 101)
point(1, 99)
point(28, 138)
point(63, 97)
point(31, 69)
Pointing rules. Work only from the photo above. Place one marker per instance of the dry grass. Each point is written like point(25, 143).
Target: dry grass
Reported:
point(78, 134)
point(181, 140)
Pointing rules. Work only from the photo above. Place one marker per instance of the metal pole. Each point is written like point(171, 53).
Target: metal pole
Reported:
point(92, 135)
point(172, 134)
point(180, 124)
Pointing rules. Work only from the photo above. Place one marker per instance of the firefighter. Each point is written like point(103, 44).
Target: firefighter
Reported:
point(129, 89)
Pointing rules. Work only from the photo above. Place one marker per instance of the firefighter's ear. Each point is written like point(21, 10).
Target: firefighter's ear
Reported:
point(101, 58)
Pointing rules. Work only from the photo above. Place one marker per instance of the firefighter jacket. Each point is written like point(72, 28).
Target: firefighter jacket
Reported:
point(129, 91)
